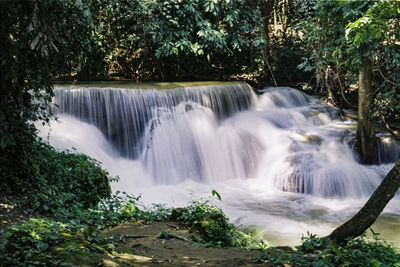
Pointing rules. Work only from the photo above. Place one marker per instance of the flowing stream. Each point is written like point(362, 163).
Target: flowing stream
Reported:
point(281, 160)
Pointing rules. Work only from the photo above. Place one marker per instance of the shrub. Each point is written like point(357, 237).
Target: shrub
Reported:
point(212, 228)
point(68, 179)
point(357, 252)
point(45, 242)
point(363, 252)
point(59, 181)
point(110, 211)
point(29, 243)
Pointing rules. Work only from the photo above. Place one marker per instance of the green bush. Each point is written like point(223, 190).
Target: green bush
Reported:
point(17, 153)
point(44, 242)
point(110, 211)
point(29, 243)
point(212, 228)
point(58, 181)
point(77, 231)
point(363, 252)
point(357, 252)
point(68, 179)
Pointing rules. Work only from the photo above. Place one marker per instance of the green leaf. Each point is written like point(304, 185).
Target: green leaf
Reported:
point(215, 193)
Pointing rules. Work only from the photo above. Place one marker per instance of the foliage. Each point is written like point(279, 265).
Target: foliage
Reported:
point(376, 35)
point(30, 243)
point(209, 224)
point(338, 35)
point(287, 55)
point(323, 25)
point(77, 230)
point(162, 39)
point(36, 46)
point(61, 181)
point(310, 243)
point(370, 30)
point(212, 228)
point(80, 231)
point(360, 251)
point(33, 243)
point(110, 211)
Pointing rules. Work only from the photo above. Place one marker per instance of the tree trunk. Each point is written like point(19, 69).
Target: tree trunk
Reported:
point(266, 11)
point(365, 140)
point(371, 210)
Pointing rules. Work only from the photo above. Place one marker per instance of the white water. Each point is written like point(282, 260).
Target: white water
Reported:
point(280, 161)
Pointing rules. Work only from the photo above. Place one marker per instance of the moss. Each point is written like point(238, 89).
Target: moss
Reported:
point(125, 249)
point(77, 253)
point(144, 85)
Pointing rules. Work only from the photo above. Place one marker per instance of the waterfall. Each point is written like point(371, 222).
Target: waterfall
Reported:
point(123, 114)
point(388, 148)
point(211, 133)
point(282, 159)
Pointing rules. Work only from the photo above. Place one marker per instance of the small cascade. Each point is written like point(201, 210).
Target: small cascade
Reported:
point(123, 114)
point(388, 149)
point(195, 145)
point(308, 153)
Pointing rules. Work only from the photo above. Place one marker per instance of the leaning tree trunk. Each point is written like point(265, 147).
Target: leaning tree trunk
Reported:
point(371, 210)
point(365, 140)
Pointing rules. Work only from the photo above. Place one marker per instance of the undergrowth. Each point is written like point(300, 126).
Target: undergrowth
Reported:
point(211, 227)
point(356, 252)
point(33, 242)
point(56, 182)
point(80, 231)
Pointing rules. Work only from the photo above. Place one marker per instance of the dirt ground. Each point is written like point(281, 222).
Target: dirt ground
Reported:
point(140, 244)
point(143, 246)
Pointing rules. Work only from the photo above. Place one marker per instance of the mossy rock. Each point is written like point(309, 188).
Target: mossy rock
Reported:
point(77, 253)
point(213, 228)
point(311, 138)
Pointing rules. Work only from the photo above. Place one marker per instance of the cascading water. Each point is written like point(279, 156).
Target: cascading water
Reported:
point(122, 115)
point(281, 160)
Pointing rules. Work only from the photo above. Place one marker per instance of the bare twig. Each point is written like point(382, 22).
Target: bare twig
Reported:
point(381, 73)
point(342, 91)
point(383, 76)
